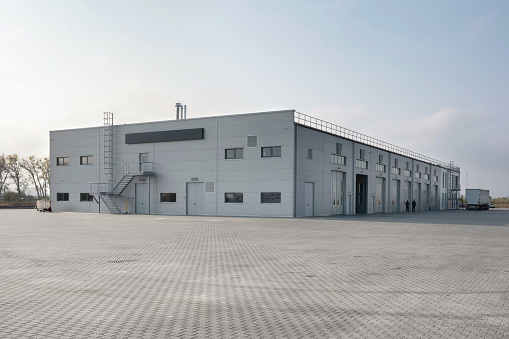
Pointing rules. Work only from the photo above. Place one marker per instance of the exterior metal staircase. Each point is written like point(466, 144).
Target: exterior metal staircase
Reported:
point(108, 191)
point(122, 184)
point(110, 204)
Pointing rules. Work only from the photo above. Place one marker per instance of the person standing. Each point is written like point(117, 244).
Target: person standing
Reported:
point(413, 205)
point(407, 204)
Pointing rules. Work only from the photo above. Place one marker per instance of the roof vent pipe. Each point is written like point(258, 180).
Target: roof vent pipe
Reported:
point(185, 109)
point(178, 105)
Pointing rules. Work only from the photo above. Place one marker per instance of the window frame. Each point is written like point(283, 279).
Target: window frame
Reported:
point(272, 148)
point(362, 164)
point(88, 158)
point(338, 159)
point(89, 197)
point(64, 162)
point(235, 153)
point(236, 196)
point(170, 196)
point(61, 196)
point(271, 196)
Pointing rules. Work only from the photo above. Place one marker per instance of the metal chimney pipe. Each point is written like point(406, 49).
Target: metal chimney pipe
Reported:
point(185, 111)
point(178, 105)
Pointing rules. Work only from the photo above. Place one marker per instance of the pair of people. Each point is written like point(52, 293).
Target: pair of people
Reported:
point(407, 204)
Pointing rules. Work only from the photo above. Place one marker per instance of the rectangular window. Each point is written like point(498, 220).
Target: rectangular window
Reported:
point(434, 171)
point(380, 167)
point(234, 153)
point(407, 173)
point(168, 197)
point(338, 159)
point(86, 197)
point(63, 161)
point(62, 196)
point(362, 154)
point(380, 158)
point(87, 160)
point(417, 175)
point(435, 178)
point(396, 162)
point(233, 198)
point(426, 176)
point(310, 154)
point(361, 164)
point(339, 148)
point(408, 165)
point(271, 197)
point(396, 171)
point(271, 152)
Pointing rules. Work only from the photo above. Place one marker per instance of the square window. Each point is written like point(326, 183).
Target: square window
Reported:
point(230, 198)
point(168, 197)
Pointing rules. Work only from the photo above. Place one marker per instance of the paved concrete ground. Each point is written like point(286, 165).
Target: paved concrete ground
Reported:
point(415, 275)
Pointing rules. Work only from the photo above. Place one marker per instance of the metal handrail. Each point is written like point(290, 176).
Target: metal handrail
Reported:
point(309, 121)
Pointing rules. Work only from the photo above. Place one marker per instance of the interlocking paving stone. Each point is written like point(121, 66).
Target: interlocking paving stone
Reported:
point(407, 275)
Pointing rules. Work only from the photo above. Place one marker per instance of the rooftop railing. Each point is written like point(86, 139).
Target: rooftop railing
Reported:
point(309, 121)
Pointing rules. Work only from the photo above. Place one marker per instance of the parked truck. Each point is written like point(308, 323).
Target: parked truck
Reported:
point(477, 199)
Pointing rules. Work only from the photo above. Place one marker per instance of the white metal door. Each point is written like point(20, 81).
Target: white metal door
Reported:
point(141, 197)
point(309, 189)
point(195, 198)
point(379, 195)
point(395, 203)
point(338, 192)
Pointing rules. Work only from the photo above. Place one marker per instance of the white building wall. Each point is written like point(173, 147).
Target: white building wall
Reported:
point(177, 163)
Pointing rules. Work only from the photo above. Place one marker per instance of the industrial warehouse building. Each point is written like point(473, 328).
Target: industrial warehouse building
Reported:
point(281, 163)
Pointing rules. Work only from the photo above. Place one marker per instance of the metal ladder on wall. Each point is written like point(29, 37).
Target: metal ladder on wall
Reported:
point(108, 149)
point(452, 189)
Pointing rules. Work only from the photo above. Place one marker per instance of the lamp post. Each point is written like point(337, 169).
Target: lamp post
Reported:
point(467, 184)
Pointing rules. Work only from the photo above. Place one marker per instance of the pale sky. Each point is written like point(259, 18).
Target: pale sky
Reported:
point(429, 76)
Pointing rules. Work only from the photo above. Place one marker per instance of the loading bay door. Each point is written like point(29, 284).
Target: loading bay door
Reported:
point(338, 192)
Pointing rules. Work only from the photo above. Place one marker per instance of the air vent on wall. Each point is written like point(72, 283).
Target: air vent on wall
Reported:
point(209, 187)
point(252, 141)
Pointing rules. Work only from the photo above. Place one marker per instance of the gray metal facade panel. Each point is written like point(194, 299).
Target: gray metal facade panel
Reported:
point(164, 136)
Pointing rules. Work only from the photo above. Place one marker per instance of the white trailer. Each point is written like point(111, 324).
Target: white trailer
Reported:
point(477, 199)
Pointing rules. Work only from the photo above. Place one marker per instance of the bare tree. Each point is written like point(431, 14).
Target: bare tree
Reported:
point(16, 173)
point(33, 168)
point(4, 174)
point(44, 169)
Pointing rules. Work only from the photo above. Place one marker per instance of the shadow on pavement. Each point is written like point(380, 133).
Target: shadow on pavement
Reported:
point(493, 217)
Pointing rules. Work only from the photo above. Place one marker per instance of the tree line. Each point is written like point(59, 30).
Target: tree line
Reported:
point(19, 173)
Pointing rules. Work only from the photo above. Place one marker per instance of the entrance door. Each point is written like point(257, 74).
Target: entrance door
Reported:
point(434, 198)
point(417, 196)
point(141, 197)
point(395, 203)
point(338, 192)
point(425, 203)
point(309, 191)
point(361, 202)
point(379, 195)
point(406, 193)
point(195, 198)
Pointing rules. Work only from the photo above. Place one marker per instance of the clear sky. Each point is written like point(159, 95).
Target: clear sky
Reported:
point(430, 76)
